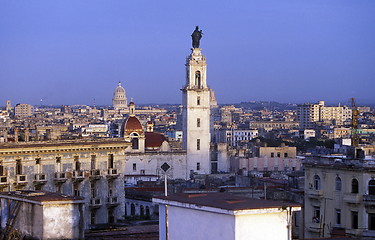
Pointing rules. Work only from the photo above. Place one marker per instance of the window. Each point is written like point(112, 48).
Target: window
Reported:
point(110, 160)
point(1, 169)
point(77, 163)
point(198, 79)
point(93, 162)
point(338, 216)
point(371, 221)
point(278, 154)
point(354, 219)
point(93, 216)
point(371, 187)
point(285, 154)
point(355, 186)
point(111, 216)
point(198, 144)
point(198, 122)
point(276, 168)
point(135, 143)
point(18, 167)
point(338, 184)
point(198, 100)
point(132, 209)
point(58, 159)
point(272, 154)
point(316, 182)
point(198, 166)
point(316, 215)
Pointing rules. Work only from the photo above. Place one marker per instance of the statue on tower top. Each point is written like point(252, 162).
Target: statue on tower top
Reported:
point(196, 37)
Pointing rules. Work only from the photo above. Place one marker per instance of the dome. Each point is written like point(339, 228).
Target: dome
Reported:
point(132, 124)
point(119, 98)
point(154, 140)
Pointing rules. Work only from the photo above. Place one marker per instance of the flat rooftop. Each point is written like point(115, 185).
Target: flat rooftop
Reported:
point(40, 196)
point(223, 201)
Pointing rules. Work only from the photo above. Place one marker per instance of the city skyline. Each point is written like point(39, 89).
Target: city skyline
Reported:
point(75, 53)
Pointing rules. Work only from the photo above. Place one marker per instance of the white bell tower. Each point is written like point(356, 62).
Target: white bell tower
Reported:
point(196, 114)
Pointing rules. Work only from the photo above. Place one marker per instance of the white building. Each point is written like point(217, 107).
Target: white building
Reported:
point(42, 215)
point(223, 216)
point(119, 101)
point(196, 114)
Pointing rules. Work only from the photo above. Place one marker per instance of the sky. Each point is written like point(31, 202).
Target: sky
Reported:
point(68, 52)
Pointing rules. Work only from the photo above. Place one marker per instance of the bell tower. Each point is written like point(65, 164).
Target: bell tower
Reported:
point(196, 113)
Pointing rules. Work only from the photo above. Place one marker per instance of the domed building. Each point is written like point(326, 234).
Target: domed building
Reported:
point(119, 101)
point(142, 141)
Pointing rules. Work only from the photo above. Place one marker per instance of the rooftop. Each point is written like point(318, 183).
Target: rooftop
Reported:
point(222, 201)
point(39, 196)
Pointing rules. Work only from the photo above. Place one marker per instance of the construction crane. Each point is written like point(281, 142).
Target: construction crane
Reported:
point(355, 114)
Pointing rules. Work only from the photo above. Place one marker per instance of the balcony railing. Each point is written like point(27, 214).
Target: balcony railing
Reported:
point(21, 179)
point(352, 198)
point(112, 201)
point(78, 175)
point(315, 194)
point(95, 174)
point(112, 173)
point(95, 202)
point(40, 178)
point(369, 199)
point(60, 177)
point(4, 180)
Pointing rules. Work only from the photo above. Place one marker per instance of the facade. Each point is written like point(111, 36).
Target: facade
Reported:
point(196, 114)
point(270, 125)
point(42, 215)
point(119, 101)
point(268, 159)
point(93, 170)
point(339, 194)
point(23, 110)
point(223, 216)
point(309, 114)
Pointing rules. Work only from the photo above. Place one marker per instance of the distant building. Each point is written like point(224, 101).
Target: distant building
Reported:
point(119, 101)
point(223, 216)
point(308, 115)
point(23, 110)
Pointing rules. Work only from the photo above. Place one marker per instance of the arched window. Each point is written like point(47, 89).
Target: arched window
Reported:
point(355, 186)
point(198, 79)
point(132, 209)
point(147, 212)
point(317, 182)
point(338, 184)
point(142, 210)
point(371, 187)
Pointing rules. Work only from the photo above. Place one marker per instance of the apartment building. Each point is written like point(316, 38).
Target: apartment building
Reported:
point(93, 170)
point(339, 194)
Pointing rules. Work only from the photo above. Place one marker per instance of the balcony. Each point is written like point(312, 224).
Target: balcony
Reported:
point(112, 201)
point(313, 227)
point(112, 173)
point(78, 176)
point(40, 179)
point(314, 194)
point(60, 177)
point(368, 234)
point(369, 199)
point(95, 174)
point(21, 180)
point(3, 181)
point(95, 202)
point(352, 198)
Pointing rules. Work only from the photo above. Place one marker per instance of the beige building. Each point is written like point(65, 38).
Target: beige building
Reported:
point(23, 110)
point(93, 170)
point(309, 114)
point(339, 194)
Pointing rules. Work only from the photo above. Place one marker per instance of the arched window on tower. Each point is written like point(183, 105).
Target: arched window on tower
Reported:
point(198, 81)
point(134, 141)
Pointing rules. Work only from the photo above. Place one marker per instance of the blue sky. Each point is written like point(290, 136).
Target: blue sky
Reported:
point(75, 51)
